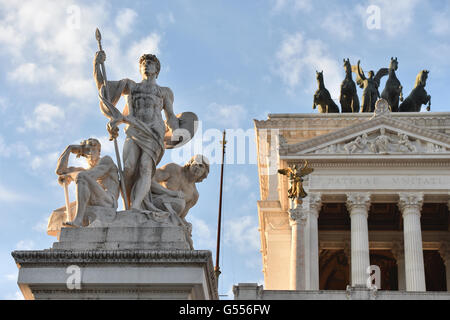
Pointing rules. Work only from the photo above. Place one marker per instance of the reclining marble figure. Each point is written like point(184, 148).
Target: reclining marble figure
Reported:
point(179, 181)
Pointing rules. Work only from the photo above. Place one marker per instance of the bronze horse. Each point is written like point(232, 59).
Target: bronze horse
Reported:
point(392, 92)
point(349, 96)
point(322, 97)
point(418, 95)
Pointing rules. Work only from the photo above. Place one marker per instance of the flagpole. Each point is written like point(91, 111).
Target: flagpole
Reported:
point(217, 271)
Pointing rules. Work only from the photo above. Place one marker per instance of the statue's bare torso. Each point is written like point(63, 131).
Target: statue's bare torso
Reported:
point(145, 102)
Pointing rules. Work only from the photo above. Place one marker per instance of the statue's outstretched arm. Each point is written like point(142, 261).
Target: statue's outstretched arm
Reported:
point(360, 72)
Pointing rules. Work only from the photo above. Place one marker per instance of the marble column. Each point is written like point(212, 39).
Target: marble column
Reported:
point(358, 205)
point(445, 255)
point(399, 254)
point(315, 203)
point(297, 221)
point(410, 204)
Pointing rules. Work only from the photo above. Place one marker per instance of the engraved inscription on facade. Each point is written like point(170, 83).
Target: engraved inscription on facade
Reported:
point(319, 182)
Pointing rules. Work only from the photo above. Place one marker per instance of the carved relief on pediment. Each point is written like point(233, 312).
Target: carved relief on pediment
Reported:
point(381, 141)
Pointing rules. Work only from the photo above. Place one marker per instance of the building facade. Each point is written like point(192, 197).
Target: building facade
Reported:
point(376, 211)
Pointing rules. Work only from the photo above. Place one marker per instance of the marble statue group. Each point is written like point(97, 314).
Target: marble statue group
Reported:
point(392, 93)
point(152, 196)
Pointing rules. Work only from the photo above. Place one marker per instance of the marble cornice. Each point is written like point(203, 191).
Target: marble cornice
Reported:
point(56, 256)
point(374, 162)
point(294, 120)
point(354, 130)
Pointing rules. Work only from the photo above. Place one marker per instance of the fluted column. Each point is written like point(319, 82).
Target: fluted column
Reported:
point(399, 254)
point(445, 255)
point(410, 205)
point(358, 206)
point(297, 220)
point(315, 203)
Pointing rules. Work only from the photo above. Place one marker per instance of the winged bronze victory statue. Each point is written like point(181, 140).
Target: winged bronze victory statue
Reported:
point(295, 175)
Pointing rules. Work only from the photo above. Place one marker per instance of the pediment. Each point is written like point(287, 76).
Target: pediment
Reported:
point(379, 136)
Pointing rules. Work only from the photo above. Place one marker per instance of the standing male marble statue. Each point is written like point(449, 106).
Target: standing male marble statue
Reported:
point(145, 127)
point(98, 185)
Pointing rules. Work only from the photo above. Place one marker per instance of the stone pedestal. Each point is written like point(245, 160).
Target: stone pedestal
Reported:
point(117, 238)
point(116, 274)
point(128, 255)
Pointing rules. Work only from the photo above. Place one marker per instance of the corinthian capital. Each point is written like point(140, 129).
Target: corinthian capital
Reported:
point(297, 215)
point(410, 202)
point(358, 200)
point(315, 203)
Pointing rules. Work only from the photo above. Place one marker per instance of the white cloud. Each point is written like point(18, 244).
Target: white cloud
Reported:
point(339, 24)
point(15, 296)
point(440, 23)
point(396, 16)
point(165, 19)
point(125, 20)
point(202, 234)
point(228, 86)
point(46, 117)
point(3, 104)
point(41, 225)
point(305, 5)
point(227, 116)
point(53, 47)
point(242, 233)
point(49, 49)
point(25, 245)
point(46, 162)
point(292, 5)
point(11, 276)
point(17, 149)
point(299, 58)
point(8, 195)
point(61, 51)
point(239, 180)
point(149, 44)
point(31, 73)
point(76, 87)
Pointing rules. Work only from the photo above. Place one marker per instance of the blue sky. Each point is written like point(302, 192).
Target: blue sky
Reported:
point(228, 61)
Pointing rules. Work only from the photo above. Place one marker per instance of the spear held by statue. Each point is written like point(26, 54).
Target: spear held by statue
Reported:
point(115, 117)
